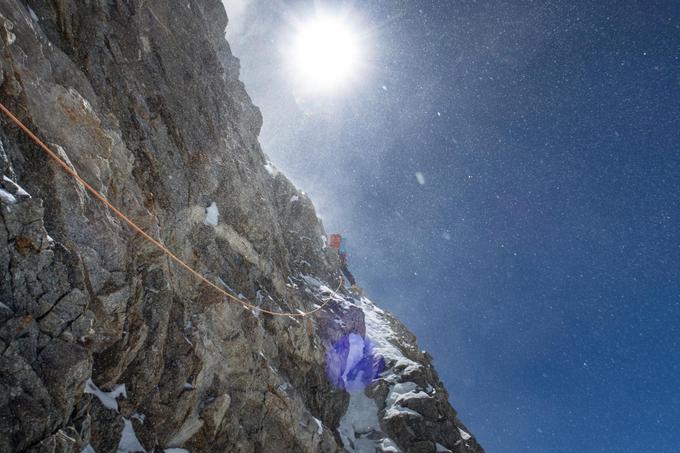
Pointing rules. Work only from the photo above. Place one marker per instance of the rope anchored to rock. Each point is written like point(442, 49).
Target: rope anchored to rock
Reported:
point(71, 172)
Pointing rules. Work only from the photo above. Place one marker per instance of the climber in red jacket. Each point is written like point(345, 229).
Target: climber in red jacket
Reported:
point(339, 243)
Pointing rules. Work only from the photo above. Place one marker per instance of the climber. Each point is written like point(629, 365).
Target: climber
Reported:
point(339, 243)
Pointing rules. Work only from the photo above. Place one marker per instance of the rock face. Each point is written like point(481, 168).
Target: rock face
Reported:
point(142, 99)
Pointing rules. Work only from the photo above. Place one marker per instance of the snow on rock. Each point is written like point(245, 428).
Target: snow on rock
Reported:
point(360, 421)
point(212, 215)
point(108, 399)
point(34, 16)
point(88, 449)
point(442, 449)
point(398, 391)
point(402, 392)
point(397, 410)
point(7, 197)
point(389, 446)
point(359, 428)
point(128, 440)
point(175, 450)
point(379, 331)
point(271, 169)
point(365, 427)
point(18, 190)
point(294, 198)
point(319, 425)
point(464, 434)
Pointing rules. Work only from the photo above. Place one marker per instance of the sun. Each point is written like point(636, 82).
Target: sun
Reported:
point(326, 53)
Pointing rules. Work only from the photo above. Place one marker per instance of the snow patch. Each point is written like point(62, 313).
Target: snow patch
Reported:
point(88, 449)
point(128, 440)
point(18, 189)
point(212, 215)
point(34, 16)
point(319, 425)
point(380, 332)
point(271, 169)
point(402, 392)
point(464, 435)
point(396, 411)
point(7, 197)
point(175, 450)
point(360, 420)
point(442, 449)
point(389, 446)
point(294, 198)
point(108, 399)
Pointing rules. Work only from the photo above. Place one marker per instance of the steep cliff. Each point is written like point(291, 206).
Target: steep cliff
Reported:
point(108, 345)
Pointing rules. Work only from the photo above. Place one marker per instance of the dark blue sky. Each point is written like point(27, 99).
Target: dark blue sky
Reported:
point(540, 261)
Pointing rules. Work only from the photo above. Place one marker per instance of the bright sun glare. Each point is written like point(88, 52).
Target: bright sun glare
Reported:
point(326, 53)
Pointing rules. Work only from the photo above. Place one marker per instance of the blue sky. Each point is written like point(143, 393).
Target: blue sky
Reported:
point(539, 262)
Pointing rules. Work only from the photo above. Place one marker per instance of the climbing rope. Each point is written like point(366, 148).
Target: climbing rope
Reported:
point(71, 172)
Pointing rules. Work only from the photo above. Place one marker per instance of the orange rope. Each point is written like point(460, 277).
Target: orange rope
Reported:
point(245, 303)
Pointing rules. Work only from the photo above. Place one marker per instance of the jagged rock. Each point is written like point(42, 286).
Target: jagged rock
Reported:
point(142, 100)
